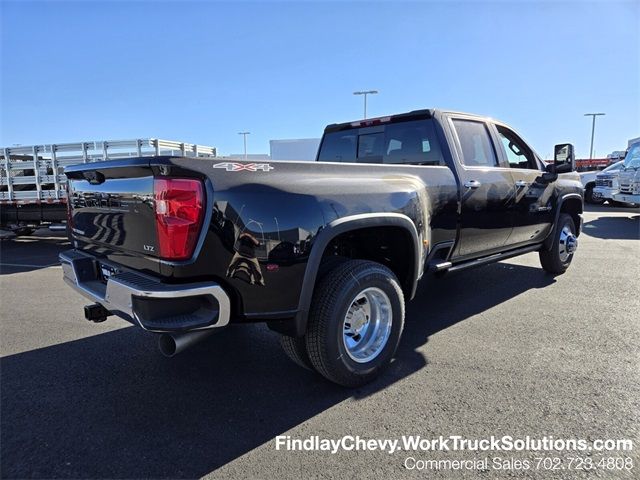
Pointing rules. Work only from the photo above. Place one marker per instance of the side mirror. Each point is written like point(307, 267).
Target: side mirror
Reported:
point(564, 159)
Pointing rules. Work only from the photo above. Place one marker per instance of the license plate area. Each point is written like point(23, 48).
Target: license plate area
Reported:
point(106, 271)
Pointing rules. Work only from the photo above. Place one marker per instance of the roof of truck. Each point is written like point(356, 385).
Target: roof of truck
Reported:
point(398, 117)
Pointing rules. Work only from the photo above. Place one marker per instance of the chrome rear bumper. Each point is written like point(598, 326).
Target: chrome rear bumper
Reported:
point(154, 306)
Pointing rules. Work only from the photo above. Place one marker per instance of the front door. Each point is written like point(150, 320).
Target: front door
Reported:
point(531, 208)
point(486, 190)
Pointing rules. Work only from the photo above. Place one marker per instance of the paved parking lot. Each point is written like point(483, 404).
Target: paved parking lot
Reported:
point(501, 350)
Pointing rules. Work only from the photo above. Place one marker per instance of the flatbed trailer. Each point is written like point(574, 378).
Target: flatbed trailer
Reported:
point(33, 184)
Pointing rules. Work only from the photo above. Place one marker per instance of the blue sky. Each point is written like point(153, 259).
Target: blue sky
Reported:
point(203, 71)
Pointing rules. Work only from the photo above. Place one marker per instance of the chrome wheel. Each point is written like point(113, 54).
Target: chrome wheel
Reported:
point(367, 325)
point(568, 243)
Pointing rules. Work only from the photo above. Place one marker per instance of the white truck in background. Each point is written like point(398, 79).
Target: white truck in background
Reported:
point(605, 184)
point(616, 156)
point(629, 178)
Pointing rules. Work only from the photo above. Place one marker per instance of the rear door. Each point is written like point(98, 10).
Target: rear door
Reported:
point(486, 189)
point(531, 209)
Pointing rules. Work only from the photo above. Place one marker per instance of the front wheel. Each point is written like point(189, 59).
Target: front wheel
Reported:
point(355, 322)
point(558, 258)
point(589, 198)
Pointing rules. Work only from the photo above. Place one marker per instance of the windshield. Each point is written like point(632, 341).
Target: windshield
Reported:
point(615, 166)
point(632, 160)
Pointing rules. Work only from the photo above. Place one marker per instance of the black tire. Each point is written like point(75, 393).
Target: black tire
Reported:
point(296, 350)
point(24, 231)
point(295, 347)
point(588, 196)
point(551, 260)
point(332, 299)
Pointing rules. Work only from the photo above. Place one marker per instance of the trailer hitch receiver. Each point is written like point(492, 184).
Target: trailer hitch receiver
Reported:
point(96, 313)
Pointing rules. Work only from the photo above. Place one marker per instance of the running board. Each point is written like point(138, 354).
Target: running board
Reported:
point(493, 258)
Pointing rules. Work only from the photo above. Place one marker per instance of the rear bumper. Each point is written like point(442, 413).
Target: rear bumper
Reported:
point(152, 305)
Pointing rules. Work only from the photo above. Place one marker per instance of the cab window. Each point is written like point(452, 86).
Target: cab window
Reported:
point(477, 149)
point(411, 142)
point(371, 147)
point(518, 154)
point(339, 147)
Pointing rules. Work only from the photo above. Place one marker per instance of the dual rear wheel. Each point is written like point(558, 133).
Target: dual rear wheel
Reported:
point(357, 314)
point(354, 326)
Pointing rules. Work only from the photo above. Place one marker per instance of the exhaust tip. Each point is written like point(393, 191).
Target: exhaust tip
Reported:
point(171, 344)
point(167, 345)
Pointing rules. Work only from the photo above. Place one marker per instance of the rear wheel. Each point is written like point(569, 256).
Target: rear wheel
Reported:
point(355, 322)
point(24, 231)
point(295, 347)
point(296, 350)
point(558, 258)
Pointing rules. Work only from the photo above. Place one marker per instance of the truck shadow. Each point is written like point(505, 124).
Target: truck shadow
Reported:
point(16, 256)
point(614, 228)
point(109, 406)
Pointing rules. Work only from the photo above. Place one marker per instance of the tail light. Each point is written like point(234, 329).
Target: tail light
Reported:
point(179, 204)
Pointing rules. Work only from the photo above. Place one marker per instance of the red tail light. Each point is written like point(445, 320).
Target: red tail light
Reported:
point(179, 211)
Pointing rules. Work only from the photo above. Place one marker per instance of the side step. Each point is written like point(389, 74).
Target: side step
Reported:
point(449, 267)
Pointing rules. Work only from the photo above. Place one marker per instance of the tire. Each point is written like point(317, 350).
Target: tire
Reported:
point(296, 350)
point(558, 258)
point(295, 347)
point(356, 291)
point(23, 231)
point(588, 196)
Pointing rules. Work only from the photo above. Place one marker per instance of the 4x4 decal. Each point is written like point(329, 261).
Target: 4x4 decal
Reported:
point(249, 167)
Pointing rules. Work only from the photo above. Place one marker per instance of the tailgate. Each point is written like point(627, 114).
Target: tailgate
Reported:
point(112, 206)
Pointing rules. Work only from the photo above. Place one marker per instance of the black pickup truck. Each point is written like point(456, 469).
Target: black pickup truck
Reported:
point(326, 253)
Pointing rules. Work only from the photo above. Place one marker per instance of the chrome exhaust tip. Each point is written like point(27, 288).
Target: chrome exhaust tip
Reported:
point(171, 344)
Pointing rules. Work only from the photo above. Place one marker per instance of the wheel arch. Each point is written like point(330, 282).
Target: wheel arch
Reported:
point(354, 224)
point(571, 204)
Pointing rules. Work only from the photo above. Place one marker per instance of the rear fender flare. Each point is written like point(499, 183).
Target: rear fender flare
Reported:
point(338, 227)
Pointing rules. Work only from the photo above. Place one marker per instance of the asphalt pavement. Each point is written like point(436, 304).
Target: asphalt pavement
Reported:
point(500, 350)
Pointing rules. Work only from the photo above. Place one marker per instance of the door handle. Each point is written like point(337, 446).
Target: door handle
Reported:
point(521, 184)
point(472, 184)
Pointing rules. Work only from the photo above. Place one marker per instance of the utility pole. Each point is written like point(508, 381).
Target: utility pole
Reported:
point(244, 138)
point(365, 93)
point(593, 129)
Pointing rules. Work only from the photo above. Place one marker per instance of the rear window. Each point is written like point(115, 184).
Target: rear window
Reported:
point(412, 142)
point(477, 148)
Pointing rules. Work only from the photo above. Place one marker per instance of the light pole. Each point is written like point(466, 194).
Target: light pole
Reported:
point(365, 93)
point(593, 129)
point(244, 138)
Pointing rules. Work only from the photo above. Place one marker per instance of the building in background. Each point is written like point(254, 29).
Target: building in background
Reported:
point(294, 149)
